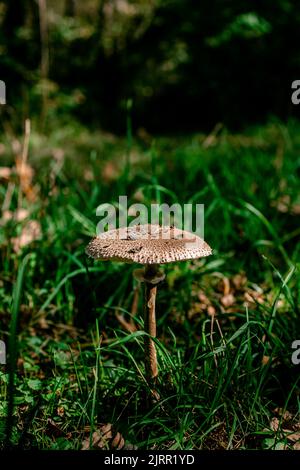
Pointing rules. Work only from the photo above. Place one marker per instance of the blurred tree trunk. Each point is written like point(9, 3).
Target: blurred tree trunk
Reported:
point(44, 56)
point(70, 8)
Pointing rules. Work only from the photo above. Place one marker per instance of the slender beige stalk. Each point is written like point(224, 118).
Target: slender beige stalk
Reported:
point(150, 321)
point(150, 328)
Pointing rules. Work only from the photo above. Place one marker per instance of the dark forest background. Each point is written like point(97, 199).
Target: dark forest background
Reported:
point(178, 64)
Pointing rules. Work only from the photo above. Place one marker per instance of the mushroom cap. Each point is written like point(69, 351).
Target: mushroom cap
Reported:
point(147, 244)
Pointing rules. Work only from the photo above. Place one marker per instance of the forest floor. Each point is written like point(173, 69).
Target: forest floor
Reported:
point(226, 323)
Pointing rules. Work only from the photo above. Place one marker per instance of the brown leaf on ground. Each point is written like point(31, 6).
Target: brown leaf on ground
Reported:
point(285, 415)
point(100, 438)
point(211, 310)
point(139, 196)
point(19, 215)
point(60, 411)
point(106, 438)
point(110, 172)
point(30, 232)
point(26, 173)
point(285, 205)
point(239, 281)
point(265, 360)
point(42, 323)
point(292, 436)
point(5, 172)
point(227, 300)
point(286, 428)
point(204, 306)
point(118, 442)
point(274, 424)
point(282, 203)
point(226, 295)
point(251, 297)
point(88, 174)
point(226, 286)
point(295, 209)
point(203, 298)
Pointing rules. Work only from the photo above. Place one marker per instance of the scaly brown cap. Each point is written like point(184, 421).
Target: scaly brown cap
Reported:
point(148, 244)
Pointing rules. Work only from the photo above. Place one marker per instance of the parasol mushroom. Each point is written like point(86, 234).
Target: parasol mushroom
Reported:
point(149, 245)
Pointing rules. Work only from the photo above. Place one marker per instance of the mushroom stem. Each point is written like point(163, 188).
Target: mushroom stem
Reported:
point(150, 274)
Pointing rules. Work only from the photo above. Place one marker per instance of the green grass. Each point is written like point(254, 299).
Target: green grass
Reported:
point(221, 379)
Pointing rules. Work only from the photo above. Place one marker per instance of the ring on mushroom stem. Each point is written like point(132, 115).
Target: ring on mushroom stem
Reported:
point(149, 245)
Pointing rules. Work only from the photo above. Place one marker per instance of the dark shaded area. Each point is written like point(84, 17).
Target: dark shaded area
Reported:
point(186, 65)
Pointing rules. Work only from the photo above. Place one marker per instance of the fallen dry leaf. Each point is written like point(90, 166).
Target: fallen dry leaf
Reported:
point(274, 424)
point(265, 360)
point(18, 215)
point(105, 438)
point(292, 436)
point(211, 310)
point(5, 172)
point(88, 174)
point(110, 172)
point(286, 428)
point(26, 173)
point(118, 442)
point(60, 411)
point(203, 298)
point(226, 286)
point(139, 196)
point(295, 209)
point(239, 281)
point(284, 414)
point(30, 232)
point(228, 300)
point(251, 297)
point(284, 205)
